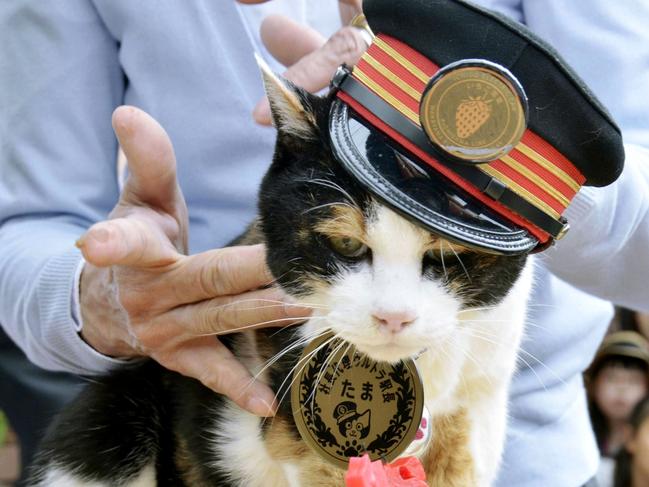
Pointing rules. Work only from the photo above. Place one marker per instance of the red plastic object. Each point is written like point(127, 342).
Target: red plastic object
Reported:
point(404, 472)
point(364, 473)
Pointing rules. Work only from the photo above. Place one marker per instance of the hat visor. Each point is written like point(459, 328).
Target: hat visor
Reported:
point(417, 191)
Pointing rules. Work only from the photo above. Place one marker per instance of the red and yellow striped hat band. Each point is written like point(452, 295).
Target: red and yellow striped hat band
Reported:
point(537, 180)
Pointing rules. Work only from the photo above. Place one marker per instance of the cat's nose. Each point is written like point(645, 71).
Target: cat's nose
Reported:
point(393, 321)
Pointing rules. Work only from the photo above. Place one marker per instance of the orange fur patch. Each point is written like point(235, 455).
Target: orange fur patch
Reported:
point(315, 472)
point(448, 461)
point(347, 221)
point(446, 248)
point(187, 466)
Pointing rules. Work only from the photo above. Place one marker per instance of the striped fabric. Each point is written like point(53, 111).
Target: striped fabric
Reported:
point(534, 169)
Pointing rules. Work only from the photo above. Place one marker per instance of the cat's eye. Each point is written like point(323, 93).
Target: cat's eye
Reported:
point(348, 246)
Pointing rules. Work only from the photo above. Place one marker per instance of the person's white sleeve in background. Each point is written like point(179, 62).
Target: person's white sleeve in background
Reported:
point(606, 253)
point(607, 43)
point(60, 80)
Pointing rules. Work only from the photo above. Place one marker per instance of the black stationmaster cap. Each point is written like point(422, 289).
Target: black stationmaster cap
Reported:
point(470, 125)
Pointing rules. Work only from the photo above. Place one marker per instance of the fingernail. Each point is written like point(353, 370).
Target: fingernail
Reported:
point(81, 241)
point(262, 404)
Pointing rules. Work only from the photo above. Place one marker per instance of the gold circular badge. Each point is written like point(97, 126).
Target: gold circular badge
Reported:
point(474, 110)
point(346, 404)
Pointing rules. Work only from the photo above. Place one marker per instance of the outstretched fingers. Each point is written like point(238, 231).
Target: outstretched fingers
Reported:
point(220, 272)
point(151, 160)
point(208, 360)
point(229, 314)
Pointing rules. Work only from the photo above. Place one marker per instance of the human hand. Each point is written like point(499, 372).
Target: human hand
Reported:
point(140, 295)
point(311, 59)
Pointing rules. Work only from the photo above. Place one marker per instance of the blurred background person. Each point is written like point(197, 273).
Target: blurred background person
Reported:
point(634, 321)
point(617, 380)
point(632, 466)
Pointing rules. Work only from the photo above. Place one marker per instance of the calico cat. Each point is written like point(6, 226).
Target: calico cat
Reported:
point(372, 277)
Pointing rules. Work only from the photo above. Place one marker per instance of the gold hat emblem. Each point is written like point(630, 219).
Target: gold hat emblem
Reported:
point(346, 404)
point(474, 110)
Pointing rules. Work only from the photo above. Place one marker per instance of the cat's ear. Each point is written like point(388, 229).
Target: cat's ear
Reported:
point(289, 105)
point(365, 418)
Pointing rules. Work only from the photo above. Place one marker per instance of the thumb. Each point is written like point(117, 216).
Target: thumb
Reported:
point(151, 159)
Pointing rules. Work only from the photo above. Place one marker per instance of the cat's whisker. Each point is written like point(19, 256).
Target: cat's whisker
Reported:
point(486, 320)
point(448, 356)
point(297, 344)
point(469, 356)
point(278, 305)
point(472, 310)
point(261, 324)
point(542, 364)
point(304, 360)
point(331, 185)
point(350, 345)
point(541, 305)
point(282, 328)
point(484, 335)
point(301, 364)
point(327, 205)
point(460, 261)
point(325, 366)
point(323, 370)
point(538, 377)
point(441, 255)
point(527, 364)
point(297, 369)
point(275, 280)
point(535, 325)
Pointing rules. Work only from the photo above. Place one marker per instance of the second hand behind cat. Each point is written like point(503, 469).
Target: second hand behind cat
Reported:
point(401, 208)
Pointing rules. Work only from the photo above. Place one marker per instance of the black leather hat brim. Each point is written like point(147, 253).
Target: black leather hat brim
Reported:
point(418, 192)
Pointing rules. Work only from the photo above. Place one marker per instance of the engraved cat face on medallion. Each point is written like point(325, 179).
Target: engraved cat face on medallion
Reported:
point(346, 404)
point(474, 110)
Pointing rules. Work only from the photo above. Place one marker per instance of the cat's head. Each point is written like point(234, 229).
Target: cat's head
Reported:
point(373, 277)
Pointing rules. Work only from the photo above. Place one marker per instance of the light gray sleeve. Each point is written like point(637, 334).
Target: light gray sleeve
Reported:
point(607, 251)
point(61, 80)
point(607, 43)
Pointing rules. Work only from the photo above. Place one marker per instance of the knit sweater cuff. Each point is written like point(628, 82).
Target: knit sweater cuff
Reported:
point(68, 351)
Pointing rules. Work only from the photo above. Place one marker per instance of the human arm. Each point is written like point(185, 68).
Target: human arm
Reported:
point(310, 58)
point(57, 169)
point(605, 253)
point(62, 79)
point(140, 295)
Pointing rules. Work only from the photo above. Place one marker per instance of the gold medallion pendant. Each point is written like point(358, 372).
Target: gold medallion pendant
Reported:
point(474, 110)
point(346, 404)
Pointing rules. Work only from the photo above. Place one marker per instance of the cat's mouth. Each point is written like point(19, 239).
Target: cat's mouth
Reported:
point(375, 344)
point(390, 349)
